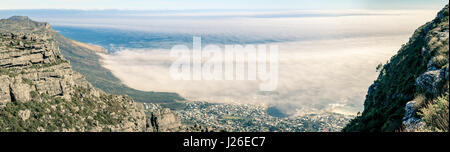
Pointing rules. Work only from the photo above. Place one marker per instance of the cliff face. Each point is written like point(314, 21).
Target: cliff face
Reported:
point(84, 59)
point(414, 80)
point(39, 90)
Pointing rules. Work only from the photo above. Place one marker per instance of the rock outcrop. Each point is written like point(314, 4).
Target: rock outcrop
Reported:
point(161, 119)
point(85, 60)
point(410, 120)
point(429, 81)
point(433, 81)
point(40, 92)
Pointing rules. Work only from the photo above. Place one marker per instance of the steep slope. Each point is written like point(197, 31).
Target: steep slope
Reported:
point(84, 60)
point(414, 80)
point(40, 92)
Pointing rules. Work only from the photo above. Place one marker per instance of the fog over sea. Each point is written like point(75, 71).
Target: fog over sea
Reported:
point(327, 59)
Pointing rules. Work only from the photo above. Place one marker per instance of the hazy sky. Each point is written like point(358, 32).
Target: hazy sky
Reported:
point(222, 4)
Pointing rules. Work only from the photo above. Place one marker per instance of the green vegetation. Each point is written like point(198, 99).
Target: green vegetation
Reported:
point(379, 67)
point(57, 114)
point(395, 86)
point(27, 81)
point(34, 95)
point(436, 114)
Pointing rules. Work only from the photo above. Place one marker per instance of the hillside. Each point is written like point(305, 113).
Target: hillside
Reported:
point(87, 62)
point(39, 91)
point(84, 59)
point(411, 91)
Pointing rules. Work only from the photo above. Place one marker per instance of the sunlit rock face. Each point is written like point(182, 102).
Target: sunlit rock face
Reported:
point(40, 91)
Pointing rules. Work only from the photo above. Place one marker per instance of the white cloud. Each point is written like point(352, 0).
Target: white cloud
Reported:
point(329, 74)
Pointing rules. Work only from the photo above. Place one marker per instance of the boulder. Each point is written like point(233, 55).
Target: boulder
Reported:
point(163, 120)
point(24, 114)
point(429, 81)
point(20, 92)
point(4, 90)
point(410, 120)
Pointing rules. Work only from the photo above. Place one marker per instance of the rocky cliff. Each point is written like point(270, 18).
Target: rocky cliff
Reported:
point(411, 92)
point(85, 60)
point(39, 91)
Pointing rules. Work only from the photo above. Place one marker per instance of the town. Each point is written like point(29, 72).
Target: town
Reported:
point(254, 118)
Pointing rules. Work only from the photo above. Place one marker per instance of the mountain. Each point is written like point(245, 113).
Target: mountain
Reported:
point(411, 91)
point(85, 60)
point(39, 91)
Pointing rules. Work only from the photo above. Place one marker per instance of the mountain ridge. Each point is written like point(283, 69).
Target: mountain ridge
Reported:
point(411, 91)
point(40, 92)
point(86, 61)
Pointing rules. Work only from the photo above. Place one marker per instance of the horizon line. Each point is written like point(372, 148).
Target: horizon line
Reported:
point(201, 9)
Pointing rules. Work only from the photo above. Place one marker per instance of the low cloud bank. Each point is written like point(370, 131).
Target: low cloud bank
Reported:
point(326, 64)
point(312, 77)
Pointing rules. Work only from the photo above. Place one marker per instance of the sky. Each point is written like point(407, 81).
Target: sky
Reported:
point(221, 4)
